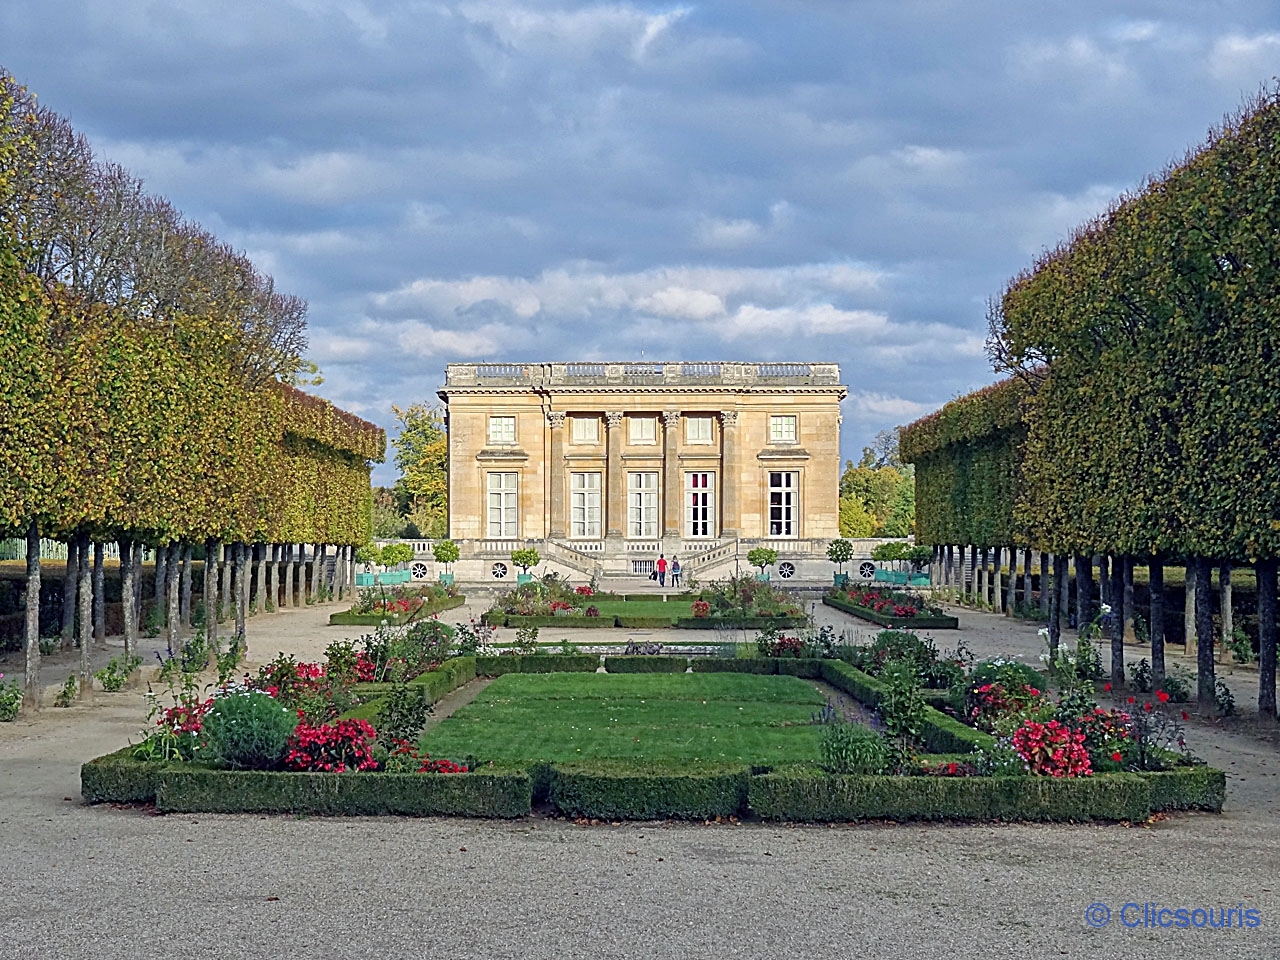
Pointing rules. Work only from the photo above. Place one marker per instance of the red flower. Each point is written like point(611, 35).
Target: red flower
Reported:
point(1147, 706)
point(1117, 757)
point(1131, 699)
point(1162, 696)
point(1106, 687)
point(1185, 715)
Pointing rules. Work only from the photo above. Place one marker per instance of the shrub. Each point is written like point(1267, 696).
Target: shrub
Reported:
point(248, 731)
point(1052, 749)
point(760, 665)
point(10, 700)
point(402, 714)
point(115, 674)
point(345, 745)
point(849, 748)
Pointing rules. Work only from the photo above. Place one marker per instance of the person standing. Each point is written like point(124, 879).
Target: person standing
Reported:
point(662, 570)
point(675, 571)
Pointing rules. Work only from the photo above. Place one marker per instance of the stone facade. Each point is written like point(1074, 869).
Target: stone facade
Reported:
point(617, 462)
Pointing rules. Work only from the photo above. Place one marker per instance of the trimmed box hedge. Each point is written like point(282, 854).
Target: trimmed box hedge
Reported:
point(807, 668)
point(537, 663)
point(650, 597)
point(896, 623)
point(761, 665)
point(446, 678)
point(647, 623)
point(1187, 788)
point(618, 791)
point(644, 664)
point(939, 733)
point(347, 618)
point(119, 778)
point(745, 623)
point(571, 621)
point(480, 794)
point(810, 795)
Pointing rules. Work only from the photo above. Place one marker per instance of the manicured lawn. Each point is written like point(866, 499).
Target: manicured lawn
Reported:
point(670, 609)
point(709, 716)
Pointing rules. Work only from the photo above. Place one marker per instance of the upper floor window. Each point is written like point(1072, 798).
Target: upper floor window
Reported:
point(644, 429)
point(782, 429)
point(502, 430)
point(697, 429)
point(586, 430)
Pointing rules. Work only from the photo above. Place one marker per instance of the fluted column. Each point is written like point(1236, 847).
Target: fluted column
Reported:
point(671, 493)
point(555, 473)
point(729, 520)
point(616, 494)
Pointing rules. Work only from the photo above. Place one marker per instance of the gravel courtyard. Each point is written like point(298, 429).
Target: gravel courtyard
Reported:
point(121, 883)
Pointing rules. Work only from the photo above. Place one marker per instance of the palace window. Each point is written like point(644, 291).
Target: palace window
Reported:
point(697, 430)
point(700, 504)
point(784, 506)
point(642, 505)
point(782, 429)
point(502, 506)
point(584, 506)
point(586, 429)
point(644, 429)
point(502, 430)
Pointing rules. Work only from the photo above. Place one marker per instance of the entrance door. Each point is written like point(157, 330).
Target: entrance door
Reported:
point(784, 514)
point(699, 504)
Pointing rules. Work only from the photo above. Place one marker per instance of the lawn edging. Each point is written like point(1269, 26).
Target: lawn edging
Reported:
point(497, 666)
point(621, 791)
point(742, 623)
point(896, 623)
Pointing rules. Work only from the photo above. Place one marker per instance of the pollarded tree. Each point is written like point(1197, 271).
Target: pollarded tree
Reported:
point(526, 558)
point(762, 557)
point(840, 552)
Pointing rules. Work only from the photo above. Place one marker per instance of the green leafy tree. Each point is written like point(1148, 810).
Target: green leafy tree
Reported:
point(856, 520)
point(422, 456)
point(394, 554)
point(840, 552)
point(446, 552)
point(525, 558)
point(762, 557)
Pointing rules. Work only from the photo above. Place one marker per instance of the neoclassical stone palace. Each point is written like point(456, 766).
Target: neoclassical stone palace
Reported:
point(605, 465)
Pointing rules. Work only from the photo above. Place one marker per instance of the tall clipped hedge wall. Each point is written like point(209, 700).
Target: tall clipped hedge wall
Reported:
point(1149, 341)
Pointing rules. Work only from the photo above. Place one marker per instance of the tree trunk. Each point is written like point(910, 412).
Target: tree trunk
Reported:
point(324, 590)
point(1156, 618)
point(99, 596)
point(340, 571)
point(162, 578)
point(211, 548)
point(31, 688)
point(126, 592)
point(1044, 583)
point(1266, 573)
point(1224, 590)
point(260, 593)
point(983, 593)
point(1116, 621)
point(1189, 606)
point(84, 588)
point(1054, 597)
point(172, 593)
point(224, 595)
point(997, 579)
point(242, 591)
point(286, 598)
point(272, 597)
point(1062, 587)
point(1205, 685)
point(69, 595)
point(137, 583)
point(184, 608)
point(1084, 592)
point(1105, 581)
point(313, 581)
point(1026, 580)
point(1127, 593)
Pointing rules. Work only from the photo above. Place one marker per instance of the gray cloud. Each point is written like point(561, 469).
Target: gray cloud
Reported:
point(757, 180)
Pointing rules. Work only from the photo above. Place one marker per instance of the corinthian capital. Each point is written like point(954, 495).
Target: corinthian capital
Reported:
point(729, 418)
point(555, 418)
point(613, 418)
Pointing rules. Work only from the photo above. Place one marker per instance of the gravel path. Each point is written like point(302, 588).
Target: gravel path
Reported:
point(109, 883)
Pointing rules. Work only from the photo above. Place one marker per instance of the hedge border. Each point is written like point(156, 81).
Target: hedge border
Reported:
point(745, 623)
point(646, 664)
point(639, 791)
point(896, 623)
point(499, 794)
point(345, 618)
point(539, 662)
point(569, 621)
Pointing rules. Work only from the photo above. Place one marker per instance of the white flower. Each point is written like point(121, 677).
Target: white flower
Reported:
point(1044, 633)
point(1105, 608)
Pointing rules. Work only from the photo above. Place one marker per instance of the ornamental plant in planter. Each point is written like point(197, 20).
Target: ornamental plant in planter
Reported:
point(762, 557)
point(525, 559)
point(840, 552)
point(446, 552)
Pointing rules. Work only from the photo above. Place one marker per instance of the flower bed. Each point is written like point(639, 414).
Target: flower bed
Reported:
point(394, 615)
point(942, 784)
point(917, 621)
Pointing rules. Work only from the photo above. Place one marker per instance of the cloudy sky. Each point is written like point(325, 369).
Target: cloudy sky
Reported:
point(780, 180)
